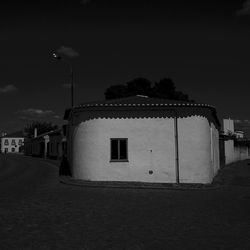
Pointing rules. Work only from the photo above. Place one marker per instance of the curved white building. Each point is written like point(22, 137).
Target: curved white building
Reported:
point(143, 139)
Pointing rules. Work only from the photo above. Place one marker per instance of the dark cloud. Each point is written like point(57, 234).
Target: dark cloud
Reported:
point(36, 114)
point(68, 51)
point(245, 10)
point(68, 85)
point(242, 122)
point(85, 2)
point(31, 114)
point(7, 89)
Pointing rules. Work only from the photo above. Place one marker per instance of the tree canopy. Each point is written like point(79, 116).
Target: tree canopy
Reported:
point(165, 89)
point(42, 127)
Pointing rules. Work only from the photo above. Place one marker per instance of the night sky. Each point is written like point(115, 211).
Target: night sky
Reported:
point(204, 46)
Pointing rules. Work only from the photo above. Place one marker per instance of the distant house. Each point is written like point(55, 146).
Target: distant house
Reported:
point(236, 147)
point(143, 139)
point(36, 146)
point(239, 134)
point(56, 144)
point(12, 143)
point(50, 144)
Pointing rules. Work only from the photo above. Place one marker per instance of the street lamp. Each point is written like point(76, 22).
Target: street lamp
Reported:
point(58, 57)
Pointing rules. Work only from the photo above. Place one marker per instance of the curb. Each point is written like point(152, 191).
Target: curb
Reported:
point(136, 185)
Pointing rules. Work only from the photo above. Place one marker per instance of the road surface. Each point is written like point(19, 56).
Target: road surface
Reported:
point(39, 212)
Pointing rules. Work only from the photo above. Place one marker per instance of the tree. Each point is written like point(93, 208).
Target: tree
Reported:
point(181, 96)
point(165, 89)
point(42, 127)
point(139, 86)
point(116, 91)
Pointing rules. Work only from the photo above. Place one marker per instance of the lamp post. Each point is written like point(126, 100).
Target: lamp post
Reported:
point(58, 57)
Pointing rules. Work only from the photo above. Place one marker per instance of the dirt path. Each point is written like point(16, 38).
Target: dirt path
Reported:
point(38, 212)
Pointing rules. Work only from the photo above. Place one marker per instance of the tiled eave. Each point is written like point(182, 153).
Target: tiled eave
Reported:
point(147, 110)
point(143, 105)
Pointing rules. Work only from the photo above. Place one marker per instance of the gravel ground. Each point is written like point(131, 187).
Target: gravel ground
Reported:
point(39, 212)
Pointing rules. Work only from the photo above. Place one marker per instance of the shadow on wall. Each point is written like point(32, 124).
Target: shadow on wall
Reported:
point(64, 168)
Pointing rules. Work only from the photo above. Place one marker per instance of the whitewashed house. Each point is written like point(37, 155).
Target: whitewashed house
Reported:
point(12, 143)
point(239, 134)
point(236, 147)
point(37, 145)
point(50, 144)
point(143, 139)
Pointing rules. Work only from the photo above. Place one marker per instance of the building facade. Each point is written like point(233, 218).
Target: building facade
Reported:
point(56, 144)
point(143, 139)
point(239, 134)
point(236, 147)
point(12, 143)
point(50, 144)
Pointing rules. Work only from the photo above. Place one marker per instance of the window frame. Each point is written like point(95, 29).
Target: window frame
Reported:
point(13, 142)
point(118, 139)
point(6, 142)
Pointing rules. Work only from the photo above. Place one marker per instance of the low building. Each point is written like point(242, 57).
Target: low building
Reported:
point(12, 143)
point(143, 139)
point(56, 144)
point(50, 144)
point(239, 134)
point(36, 146)
point(236, 147)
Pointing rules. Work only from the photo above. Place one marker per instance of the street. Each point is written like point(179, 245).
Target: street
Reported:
point(39, 212)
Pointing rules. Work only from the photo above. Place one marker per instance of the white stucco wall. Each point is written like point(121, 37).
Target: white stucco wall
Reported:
point(55, 146)
point(241, 153)
point(228, 126)
point(245, 153)
point(151, 146)
point(11, 147)
point(234, 152)
point(147, 150)
point(198, 150)
point(229, 152)
point(215, 149)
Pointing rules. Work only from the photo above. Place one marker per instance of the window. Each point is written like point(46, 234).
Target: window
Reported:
point(119, 149)
point(13, 142)
point(12, 149)
point(6, 150)
point(6, 142)
point(20, 142)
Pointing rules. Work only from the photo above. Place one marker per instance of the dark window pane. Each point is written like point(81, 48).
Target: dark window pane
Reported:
point(123, 149)
point(114, 149)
